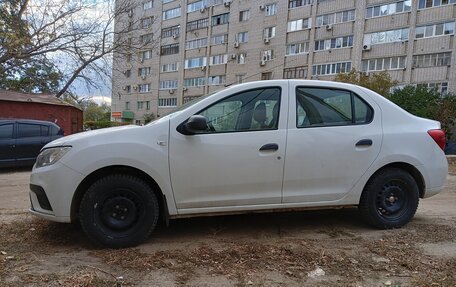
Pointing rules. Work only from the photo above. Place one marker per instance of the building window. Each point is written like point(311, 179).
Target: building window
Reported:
point(242, 37)
point(434, 3)
point(197, 24)
point(196, 44)
point(382, 64)
point(297, 48)
point(169, 49)
point(299, 3)
point(144, 88)
point(242, 58)
point(240, 79)
point(269, 32)
point(244, 15)
point(331, 69)
point(146, 38)
point(168, 85)
point(127, 89)
point(386, 36)
point(170, 31)
point(171, 13)
point(147, 105)
point(220, 19)
point(335, 18)
point(219, 39)
point(440, 87)
point(266, 76)
point(127, 73)
point(202, 4)
point(145, 55)
point(142, 72)
point(195, 62)
point(218, 59)
point(140, 105)
point(171, 67)
point(334, 43)
point(194, 82)
point(434, 30)
point(148, 5)
point(297, 25)
point(388, 9)
point(295, 73)
point(127, 106)
point(432, 60)
point(267, 55)
point(147, 22)
point(169, 102)
point(216, 80)
point(271, 9)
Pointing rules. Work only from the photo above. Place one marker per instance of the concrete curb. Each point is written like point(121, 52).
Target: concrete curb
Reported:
point(451, 159)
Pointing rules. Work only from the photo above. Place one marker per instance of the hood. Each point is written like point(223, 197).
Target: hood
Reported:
point(88, 135)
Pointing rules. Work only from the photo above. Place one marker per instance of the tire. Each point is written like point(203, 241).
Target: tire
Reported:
point(119, 211)
point(390, 199)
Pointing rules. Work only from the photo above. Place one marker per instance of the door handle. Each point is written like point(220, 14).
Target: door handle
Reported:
point(270, 146)
point(364, 142)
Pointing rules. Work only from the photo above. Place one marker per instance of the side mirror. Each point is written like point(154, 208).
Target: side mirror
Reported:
point(195, 124)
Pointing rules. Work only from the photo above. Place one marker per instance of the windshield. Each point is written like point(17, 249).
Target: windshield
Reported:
point(185, 106)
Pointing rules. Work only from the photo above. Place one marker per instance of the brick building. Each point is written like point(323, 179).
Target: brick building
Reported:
point(40, 107)
point(195, 47)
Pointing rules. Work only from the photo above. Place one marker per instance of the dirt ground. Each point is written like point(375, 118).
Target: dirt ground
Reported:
point(324, 248)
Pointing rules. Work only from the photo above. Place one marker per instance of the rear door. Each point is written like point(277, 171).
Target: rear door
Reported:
point(7, 144)
point(29, 142)
point(333, 137)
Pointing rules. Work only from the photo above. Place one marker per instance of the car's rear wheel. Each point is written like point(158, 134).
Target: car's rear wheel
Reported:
point(119, 211)
point(390, 198)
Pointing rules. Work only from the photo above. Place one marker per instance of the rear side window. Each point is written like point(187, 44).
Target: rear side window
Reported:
point(330, 107)
point(28, 130)
point(6, 131)
point(44, 131)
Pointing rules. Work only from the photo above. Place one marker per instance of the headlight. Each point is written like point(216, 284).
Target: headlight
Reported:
point(51, 155)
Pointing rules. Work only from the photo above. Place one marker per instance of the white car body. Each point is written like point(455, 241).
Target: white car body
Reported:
point(226, 172)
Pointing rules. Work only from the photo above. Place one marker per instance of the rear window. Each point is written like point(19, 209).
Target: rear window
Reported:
point(6, 131)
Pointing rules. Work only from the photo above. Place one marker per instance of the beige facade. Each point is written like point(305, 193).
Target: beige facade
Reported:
point(205, 45)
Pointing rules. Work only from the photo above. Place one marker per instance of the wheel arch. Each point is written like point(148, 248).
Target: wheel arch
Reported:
point(99, 173)
point(413, 171)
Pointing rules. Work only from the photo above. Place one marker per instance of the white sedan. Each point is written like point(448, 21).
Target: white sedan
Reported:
point(268, 145)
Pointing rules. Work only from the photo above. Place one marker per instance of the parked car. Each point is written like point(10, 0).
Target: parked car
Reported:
point(268, 145)
point(450, 148)
point(22, 140)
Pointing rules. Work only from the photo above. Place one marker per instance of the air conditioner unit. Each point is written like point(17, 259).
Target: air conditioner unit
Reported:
point(143, 77)
point(329, 27)
point(171, 91)
point(314, 77)
point(135, 87)
point(141, 60)
point(236, 44)
point(262, 63)
point(175, 36)
point(184, 89)
point(262, 7)
point(233, 56)
point(203, 68)
point(227, 3)
point(367, 47)
point(125, 72)
point(124, 88)
point(202, 10)
point(266, 40)
point(130, 13)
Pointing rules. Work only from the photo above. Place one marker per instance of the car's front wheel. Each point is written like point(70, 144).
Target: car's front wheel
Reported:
point(119, 211)
point(390, 198)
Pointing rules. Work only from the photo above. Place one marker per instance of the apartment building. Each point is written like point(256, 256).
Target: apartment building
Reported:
point(198, 47)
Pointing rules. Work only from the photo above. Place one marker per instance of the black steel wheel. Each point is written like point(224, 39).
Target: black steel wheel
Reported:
point(119, 211)
point(390, 198)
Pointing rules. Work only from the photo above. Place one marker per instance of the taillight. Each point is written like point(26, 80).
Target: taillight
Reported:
point(439, 137)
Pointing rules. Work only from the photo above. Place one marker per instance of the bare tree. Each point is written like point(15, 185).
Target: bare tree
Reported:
point(72, 34)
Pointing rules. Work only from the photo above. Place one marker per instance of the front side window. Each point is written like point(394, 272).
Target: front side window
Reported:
point(247, 111)
point(316, 107)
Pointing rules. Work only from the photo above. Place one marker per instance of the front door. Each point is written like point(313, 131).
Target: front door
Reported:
point(239, 160)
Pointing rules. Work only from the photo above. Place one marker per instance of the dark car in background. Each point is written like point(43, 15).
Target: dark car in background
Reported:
point(22, 140)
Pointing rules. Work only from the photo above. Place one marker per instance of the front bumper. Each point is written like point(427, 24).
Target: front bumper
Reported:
point(59, 184)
